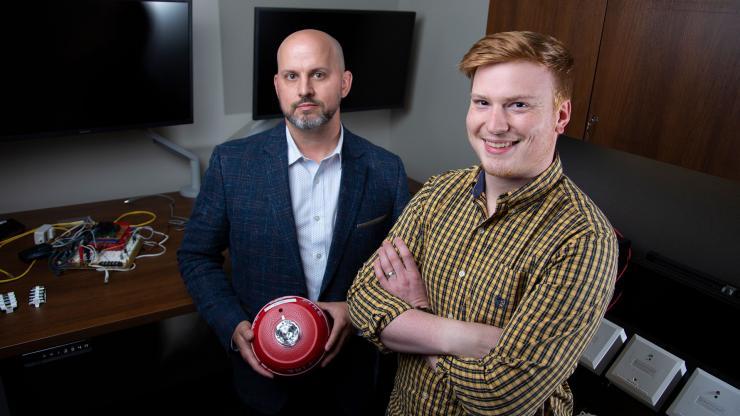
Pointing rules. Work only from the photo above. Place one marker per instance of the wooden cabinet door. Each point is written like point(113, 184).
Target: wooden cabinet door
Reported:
point(577, 23)
point(667, 83)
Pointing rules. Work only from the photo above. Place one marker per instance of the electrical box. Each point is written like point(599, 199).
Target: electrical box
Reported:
point(605, 344)
point(706, 395)
point(43, 234)
point(646, 371)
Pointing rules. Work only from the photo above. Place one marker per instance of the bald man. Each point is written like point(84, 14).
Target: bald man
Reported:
point(300, 208)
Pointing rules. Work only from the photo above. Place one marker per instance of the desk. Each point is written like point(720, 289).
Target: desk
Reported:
point(79, 305)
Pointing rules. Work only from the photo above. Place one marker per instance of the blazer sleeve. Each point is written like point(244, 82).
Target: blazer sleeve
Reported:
point(200, 258)
point(402, 191)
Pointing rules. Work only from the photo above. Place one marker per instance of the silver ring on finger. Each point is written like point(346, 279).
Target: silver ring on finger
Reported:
point(390, 274)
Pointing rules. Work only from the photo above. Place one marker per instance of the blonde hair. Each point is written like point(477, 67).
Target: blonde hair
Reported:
point(524, 46)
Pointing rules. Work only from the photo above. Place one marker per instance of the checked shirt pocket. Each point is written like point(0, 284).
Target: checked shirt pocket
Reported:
point(493, 296)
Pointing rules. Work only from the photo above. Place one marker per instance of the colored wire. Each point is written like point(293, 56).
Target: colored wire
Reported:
point(79, 236)
point(159, 243)
point(58, 226)
point(11, 239)
point(175, 220)
point(616, 297)
point(12, 278)
point(151, 220)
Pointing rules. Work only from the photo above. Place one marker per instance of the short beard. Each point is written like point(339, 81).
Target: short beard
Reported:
point(303, 122)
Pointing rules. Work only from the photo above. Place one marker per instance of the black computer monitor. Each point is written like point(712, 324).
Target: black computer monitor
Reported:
point(376, 44)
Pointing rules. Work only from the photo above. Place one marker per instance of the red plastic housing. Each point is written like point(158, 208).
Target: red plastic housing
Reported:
point(290, 334)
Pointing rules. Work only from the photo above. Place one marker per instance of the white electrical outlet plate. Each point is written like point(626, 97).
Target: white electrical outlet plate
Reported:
point(706, 395)
point(646, 372)
point(603, 347)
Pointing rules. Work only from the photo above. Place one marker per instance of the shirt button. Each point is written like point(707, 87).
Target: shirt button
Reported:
point(461, 273)
point(316, 218)
point(318, 255)
point(481, 231)
point(425, 395)
point(450, 315)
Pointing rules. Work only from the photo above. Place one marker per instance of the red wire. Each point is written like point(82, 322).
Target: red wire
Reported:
point(615, 299)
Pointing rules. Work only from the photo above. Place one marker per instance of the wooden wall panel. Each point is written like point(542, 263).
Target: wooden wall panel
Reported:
point(667, 84)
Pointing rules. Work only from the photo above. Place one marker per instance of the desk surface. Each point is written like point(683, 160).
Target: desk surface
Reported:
point(79, 305)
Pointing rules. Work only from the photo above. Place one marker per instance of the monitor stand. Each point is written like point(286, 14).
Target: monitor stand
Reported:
point(190, 191)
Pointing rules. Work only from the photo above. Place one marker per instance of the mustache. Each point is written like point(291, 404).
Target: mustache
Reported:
point(306, 100)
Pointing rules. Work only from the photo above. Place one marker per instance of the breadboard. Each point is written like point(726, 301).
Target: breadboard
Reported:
point(123, 258)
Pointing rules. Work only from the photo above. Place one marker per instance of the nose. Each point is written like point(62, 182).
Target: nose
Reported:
point(305, 88)
point(497, 122)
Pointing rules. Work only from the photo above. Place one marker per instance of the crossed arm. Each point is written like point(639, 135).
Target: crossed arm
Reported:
point(418, 332)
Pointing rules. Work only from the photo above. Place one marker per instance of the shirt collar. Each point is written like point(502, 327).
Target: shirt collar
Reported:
point(294, 154)
point(538, 187)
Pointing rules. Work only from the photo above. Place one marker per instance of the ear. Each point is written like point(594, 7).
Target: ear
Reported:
point(563, 117)
point(346, 83)
point(275, 82)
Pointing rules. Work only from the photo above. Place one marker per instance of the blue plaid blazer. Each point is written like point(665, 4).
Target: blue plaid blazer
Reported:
point(244, 206)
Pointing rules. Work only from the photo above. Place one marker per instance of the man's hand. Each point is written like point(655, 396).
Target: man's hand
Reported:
point(242, 337)
point(399, 275)
point(340, 330)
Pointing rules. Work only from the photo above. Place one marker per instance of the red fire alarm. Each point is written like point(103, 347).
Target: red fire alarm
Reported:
point(290, 334)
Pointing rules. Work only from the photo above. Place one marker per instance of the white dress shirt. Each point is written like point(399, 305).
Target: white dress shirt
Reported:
point(314, 193)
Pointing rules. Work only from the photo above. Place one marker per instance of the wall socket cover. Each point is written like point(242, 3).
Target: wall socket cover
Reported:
point(646, 371)
point(603, 346)
point(706, 395)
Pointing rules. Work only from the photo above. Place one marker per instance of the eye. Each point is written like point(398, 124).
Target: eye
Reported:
point(479, 102)
point(519, 105)
point(319, 75)
point(291, 76)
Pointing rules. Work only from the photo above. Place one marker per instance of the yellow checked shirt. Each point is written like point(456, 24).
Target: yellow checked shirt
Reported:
point(542, 268)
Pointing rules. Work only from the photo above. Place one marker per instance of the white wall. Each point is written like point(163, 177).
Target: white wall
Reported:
point(430, 134)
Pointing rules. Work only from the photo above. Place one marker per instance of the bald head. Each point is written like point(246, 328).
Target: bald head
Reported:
point(312, 41)
point(311, 80)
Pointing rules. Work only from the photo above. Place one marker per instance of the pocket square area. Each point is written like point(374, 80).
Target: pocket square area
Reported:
point(372, 221)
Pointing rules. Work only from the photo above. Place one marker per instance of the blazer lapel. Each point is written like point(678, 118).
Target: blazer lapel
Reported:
point(278, 193)
point(351, 188)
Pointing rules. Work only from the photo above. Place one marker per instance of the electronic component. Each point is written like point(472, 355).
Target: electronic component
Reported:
point(37, 296)
point(110, 235)
point(603, 346)
point(58, 352)
point(8, 303)
point(43, 234)
point(104, 246)
point(646, 372)
point(706, 395)
point(121, 258)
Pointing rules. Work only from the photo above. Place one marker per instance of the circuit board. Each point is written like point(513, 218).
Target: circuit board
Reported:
point(116, 252)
